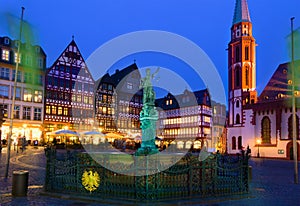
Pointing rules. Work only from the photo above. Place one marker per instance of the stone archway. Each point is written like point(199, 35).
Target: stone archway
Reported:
point(289, 150)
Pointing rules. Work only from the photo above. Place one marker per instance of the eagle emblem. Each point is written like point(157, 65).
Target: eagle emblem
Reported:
point(90, 180)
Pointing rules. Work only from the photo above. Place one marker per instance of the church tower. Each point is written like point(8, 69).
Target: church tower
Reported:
point(241, 65)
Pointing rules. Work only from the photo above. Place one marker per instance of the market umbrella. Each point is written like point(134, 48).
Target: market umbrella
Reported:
point(65, 132)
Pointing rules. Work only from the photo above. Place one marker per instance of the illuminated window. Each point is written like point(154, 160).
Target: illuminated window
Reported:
point(65, 111)
point(37, 114)
point(79, 98)
point(85, 99)
point(38, 95)
point(48, 109)
point(90, 100)
point(73, 98)
point(53, 109)
point(26, 113)
point(17, 58)
point(27, 95)
point(5, 55)
point(266, 130)
point(59, 110)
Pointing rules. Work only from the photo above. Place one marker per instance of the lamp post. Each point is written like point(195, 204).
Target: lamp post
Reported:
point(294, 106)
point(24, 128)
point(258, 143)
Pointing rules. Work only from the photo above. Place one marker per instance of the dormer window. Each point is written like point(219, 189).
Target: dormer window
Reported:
point(5, 54)
point(17, 58)
point(37, 50)
point(6, 41)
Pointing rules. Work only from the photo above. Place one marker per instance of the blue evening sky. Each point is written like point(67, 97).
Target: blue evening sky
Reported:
point(205, 22)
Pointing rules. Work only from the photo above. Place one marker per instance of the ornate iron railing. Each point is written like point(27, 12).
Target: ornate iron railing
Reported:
point(79, 174)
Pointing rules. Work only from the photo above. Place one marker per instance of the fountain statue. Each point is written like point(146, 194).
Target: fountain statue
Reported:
point(148, 116)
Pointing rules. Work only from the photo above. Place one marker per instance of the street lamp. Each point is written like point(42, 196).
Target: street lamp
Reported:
point(258, 143)
point(24, 127)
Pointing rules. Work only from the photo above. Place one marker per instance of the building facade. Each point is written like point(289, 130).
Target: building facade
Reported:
point(219, 131)
point(119, 102)
point(69, 89)
point(185, 119)
point(29, 96)
point(263, 123)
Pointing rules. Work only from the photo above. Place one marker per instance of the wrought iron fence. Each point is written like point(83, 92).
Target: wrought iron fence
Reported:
point(79, 174)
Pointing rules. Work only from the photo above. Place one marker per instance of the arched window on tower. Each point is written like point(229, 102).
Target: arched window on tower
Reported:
point(240, 142)
point(237, 77)
point(237, 104)
point(237, 54)
point(266, 130)
point(246, 53)
point(247, 76)
point(237, 119)
point(233, 140)
point(290, 127)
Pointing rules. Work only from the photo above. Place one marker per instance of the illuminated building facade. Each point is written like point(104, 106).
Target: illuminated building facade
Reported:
point(185, 118)
point(263, 123)
point(29, 97)
point(219, 135)
point(69, 89)
point(119, 101)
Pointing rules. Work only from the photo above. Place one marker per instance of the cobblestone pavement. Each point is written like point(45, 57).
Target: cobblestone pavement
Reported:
point(272, 184)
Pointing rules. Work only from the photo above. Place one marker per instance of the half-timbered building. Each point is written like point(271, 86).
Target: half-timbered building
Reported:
point(119, 101)
point(185, 119)
point(69, 89)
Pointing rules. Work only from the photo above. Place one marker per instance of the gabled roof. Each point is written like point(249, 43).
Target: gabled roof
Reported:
point(186, 99)
point(241, 12)
point(116, 77)
point(120, 74)
point(279, 86)
point(71, 56)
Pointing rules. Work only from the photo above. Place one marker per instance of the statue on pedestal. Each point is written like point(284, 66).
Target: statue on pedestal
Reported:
point(148, 116)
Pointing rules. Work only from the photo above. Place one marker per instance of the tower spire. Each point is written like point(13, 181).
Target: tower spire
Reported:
point(241, 12)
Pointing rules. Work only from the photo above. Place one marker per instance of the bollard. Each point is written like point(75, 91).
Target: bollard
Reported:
point(250, 173)
point(20, 183)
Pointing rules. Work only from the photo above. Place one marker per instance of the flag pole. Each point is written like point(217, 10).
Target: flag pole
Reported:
point(295, 156)
point(13, 98)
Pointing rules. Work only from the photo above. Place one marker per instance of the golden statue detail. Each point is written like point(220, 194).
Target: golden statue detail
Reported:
point(90, 180)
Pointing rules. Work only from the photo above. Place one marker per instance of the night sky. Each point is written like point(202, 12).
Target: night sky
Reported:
point(207, 23)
